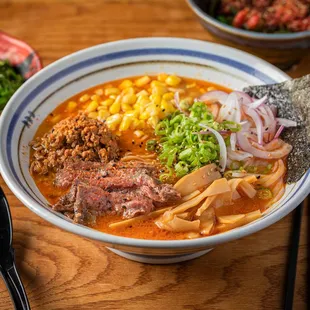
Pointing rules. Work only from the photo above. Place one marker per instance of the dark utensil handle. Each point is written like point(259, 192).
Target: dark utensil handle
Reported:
point(16, 288)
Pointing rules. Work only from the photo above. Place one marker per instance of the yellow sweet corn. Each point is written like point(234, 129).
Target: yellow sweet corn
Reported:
point(156, 99)
point(115, 107)
point(125, 123)
point(84, 98)
point(162, 77)
point(157, 83)
point(95, 98)
point(103, 114)
point(142, 93)
point(93, 115)
point(153, 121)
point(125, 84)
point(56, 118)
point(144, 115)
point(143, 100)
point(99, 92)
point(138, 133)
point(129, 99)
point(113, 121)
point(128, 91)
point(126, 107)
point(142, 81)
point(159, 90)
point(107, 102)
point(101, 107)
point(168, 96)
point(132, 113)
point(111, 91)
point(71, 106)
point(173, 80)
point(211, 88)
point(92, 106)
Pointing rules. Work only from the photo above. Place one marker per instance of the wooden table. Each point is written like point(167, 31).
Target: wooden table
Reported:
point(64, 271)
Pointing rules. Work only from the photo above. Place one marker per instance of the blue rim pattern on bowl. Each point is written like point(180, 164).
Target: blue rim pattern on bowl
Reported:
point(137, 242)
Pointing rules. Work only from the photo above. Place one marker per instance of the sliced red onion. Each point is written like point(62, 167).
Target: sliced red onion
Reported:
point(274, 110)
point(238, 174)
point(286, 122)
point(243, 98)
point(244, 143)
point(269, 120)
point(230, 110)
point(238, 155)
point(223, 150)
point(258, 123)
point(257, 103)
point(233, 141)
point(278, 133)
point(214, 96)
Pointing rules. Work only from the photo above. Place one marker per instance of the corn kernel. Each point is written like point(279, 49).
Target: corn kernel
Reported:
point(157, 83)
point(125, 123)
point(92, 106)
point(141, 124)
point(138, 133)
point(129, 99)
point(132, 113)
point(156, 99)
point(135, 123)
point(126, 107)
point(142, 93)
point(162, 77)
point(152, 110)
point(153, 121)
point(99, 92)
point(95, 98)
point(111, 91)
point(103, 114)
point(55, 119)
point(113, 121)
point(115, 107)
point(159, 90)
point(125, 84)
point(107, 102)
point(166, 106)
point(128, 91)
point(84, 98)
point(143, 100)
point(168, 96)
point(173, 80)
point(71, 106)
point(192, 85)
point(144, 115)
point(113, 97)
point(211, 88)
point(93, 115)
point(142, 81)
point(102, 108)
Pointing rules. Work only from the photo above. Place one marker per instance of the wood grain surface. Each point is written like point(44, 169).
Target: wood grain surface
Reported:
point(64, 271)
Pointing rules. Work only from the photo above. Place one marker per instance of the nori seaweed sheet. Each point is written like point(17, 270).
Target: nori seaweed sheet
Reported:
point(292, 99)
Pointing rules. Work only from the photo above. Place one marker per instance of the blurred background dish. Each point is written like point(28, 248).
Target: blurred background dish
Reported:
point(281, 49)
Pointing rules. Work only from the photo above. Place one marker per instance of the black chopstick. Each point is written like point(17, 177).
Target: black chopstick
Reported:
point(292, 259)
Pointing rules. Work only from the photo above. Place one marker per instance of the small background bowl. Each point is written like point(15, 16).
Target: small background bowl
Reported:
point(280, 49)
point(40, 95)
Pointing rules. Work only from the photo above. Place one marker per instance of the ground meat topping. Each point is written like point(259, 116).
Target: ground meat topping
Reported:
point(74, 138)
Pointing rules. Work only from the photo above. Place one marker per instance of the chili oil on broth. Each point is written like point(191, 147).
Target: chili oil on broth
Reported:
point(129, 142)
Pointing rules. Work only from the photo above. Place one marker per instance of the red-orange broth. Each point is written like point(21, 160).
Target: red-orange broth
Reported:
point(145, 229)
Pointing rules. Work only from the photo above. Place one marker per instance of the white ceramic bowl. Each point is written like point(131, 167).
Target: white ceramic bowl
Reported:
point(41, 94)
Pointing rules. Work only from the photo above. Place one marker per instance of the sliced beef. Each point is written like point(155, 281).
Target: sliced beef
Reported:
point(97, 189)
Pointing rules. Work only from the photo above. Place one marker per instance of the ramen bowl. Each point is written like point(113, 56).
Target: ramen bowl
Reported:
point(70, 75)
